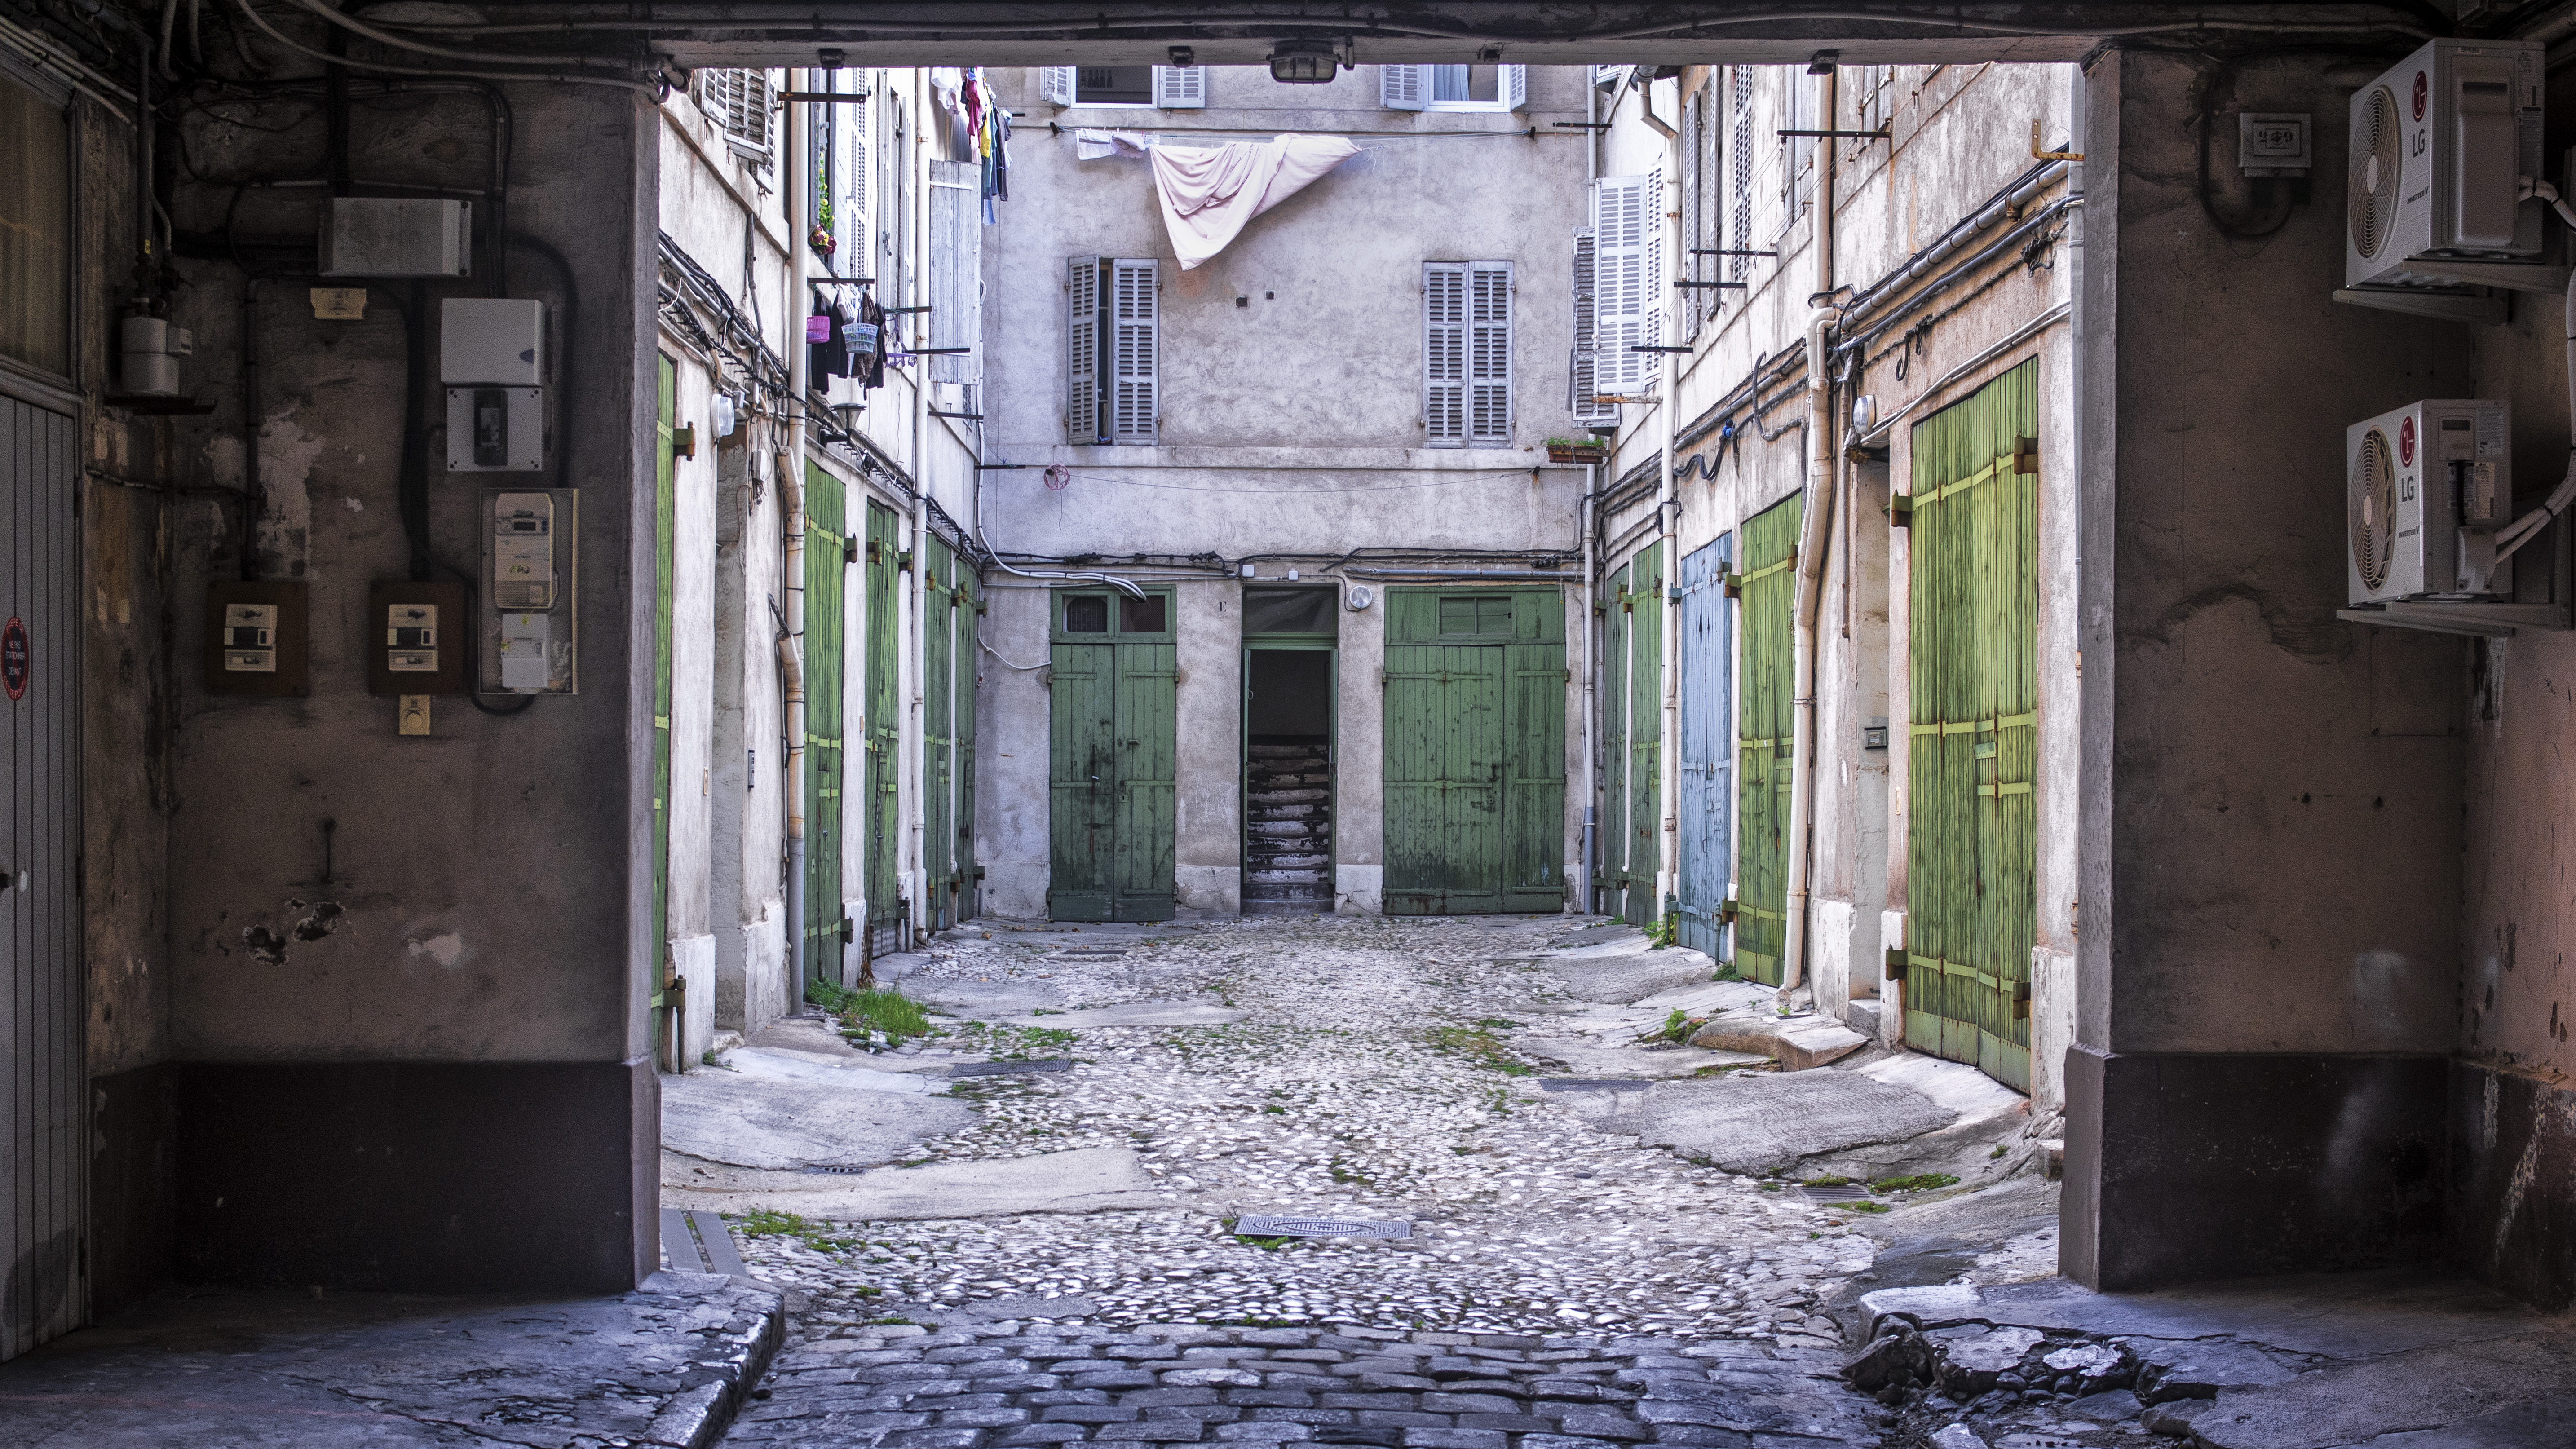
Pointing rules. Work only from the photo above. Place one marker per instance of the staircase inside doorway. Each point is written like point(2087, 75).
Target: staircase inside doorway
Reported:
point(1288, 833)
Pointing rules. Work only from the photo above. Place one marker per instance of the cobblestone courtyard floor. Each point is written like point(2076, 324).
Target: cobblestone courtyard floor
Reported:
point(1561, 1285)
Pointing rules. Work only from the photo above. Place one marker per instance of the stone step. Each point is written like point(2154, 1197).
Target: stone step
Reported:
point(1283, 794)
point(1285, 829)
point(1287, 812)
point(1289, 862)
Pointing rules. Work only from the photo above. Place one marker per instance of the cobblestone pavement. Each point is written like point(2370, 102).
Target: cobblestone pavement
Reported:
point(1561, 1285)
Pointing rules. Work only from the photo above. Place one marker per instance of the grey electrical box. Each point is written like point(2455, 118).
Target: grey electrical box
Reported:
point(2272, 143)
point(496, 430)
point(499, 341)
point(383, 236)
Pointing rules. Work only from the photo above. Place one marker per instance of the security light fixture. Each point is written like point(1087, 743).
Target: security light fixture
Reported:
point(1304, 62)
point(1184, 55)
point(1823, 62)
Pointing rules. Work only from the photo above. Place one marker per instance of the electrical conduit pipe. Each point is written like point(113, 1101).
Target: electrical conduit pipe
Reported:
point(1815, 520)
point(791, 499)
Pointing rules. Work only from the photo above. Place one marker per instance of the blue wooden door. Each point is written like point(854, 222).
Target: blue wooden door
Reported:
point(1707, 742)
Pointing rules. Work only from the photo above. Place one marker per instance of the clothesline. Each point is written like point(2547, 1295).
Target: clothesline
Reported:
point(1061, 129)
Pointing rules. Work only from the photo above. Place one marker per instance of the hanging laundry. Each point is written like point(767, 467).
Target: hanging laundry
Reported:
point(869, 368)
point(1210, 193)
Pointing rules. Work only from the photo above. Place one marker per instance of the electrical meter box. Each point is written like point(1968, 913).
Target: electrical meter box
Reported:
point(383, 236)
point(255, 636)
point(499, 341)
point(496, 429)
point(529, 577)
point(415, 638)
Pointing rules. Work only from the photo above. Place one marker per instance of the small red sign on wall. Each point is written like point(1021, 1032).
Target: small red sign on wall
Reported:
point(13, 657)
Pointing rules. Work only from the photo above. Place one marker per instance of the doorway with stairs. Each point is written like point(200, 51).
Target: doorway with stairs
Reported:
point(1288, 720)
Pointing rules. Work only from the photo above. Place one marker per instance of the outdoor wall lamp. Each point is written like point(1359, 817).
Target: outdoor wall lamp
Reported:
point(1304, 62)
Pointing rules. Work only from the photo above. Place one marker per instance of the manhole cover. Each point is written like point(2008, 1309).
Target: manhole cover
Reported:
point(1592, 1084)
point(1004, 1069)
point(1277, 1227)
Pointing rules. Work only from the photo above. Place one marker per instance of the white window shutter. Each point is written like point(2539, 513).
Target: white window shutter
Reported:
point(1444, 353)
point(1583, 383)
point(1136, 346)
point(1740, 170)
point(1489, 354)
point(1082, 350)
point(1055, 85)
point(1656, 289)
point(956, 280)
point(1623, 220)
point(1694, 127)
point(1403, 87)
point(1515, 86)
point(1180, 87)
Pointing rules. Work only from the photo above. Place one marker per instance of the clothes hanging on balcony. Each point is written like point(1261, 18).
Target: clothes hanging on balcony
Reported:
point(1210, 193)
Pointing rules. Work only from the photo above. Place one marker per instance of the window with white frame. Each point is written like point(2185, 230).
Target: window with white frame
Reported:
point(1628, 278)
point(1740, 153)
point(956, 271)
point(1113, 347)
point(738, 101)
point(1453, 87)
point(1467, 354)
point(837, 174)
point(1165, 87)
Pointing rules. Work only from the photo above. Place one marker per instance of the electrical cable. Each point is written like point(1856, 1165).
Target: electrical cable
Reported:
point(273, 33)
point(358, 27)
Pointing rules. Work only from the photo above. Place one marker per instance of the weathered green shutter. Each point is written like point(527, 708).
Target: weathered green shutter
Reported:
point(938, 679)
point(1611, 883)
point(1113, 744)
point(883, 813)
point(969, 662)
point(1768, 608)
point(1475, 751)
point(1645, 814)
point(1147, 743)
point(825, 768)
point(1972, 751)
point(1082, 778)
point(665, 523)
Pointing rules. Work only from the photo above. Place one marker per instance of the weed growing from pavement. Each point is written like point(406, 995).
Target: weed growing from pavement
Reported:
point(1868, 1207)
point(1677, 1027)
point(1479, 1046)
point(818, 1236)
point(1921, 1181)
point(1663, 932)
point(884, 1010)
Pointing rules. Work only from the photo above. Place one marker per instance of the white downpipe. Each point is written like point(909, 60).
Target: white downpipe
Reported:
point(791, 499)
point(1815, 521)
point(1667, 510)
point(916, 637)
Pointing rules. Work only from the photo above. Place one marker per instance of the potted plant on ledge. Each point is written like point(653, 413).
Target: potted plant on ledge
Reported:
point(1577, 450)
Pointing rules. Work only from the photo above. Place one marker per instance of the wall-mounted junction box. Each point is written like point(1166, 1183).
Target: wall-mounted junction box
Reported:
point(383, 236)
point(255, 638)
point(496, 429)
point(530, 573)
point(494, 340)
point(415, 638)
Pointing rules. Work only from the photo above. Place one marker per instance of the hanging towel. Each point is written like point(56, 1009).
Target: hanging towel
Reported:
point(1092, 145)
point(1210, 193)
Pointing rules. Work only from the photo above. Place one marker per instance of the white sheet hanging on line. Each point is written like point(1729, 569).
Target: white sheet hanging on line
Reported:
point(1209, 193)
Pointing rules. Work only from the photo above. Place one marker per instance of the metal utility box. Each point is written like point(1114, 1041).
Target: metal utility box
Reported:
point(496, 340)
point(384, 236)
point(415, 637)
point(255, 638)
point(2439, 145)
point(2428, 486)
point(496, 429)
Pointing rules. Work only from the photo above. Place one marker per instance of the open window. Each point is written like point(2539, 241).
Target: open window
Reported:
point(1453, 87)
point(1165, 87)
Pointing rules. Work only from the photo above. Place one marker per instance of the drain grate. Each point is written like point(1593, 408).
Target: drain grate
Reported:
point(839, 1171)
point(1004, 1069)
point(1592, 1084)
point(1252, 1226)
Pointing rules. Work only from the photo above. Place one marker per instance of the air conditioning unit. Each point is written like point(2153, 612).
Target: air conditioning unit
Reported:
point(2427, 486)
point(2439, 146)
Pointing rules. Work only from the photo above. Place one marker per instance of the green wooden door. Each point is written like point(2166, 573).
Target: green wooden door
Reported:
point(1645, 812)
point(1972, 824)
point(1113, 679)
point(880, 804)
point(938, 689)
point(666, 513)
point(1475, 751)
point(969, 663)
point(1610, 884)
point(1769, 585)
point(825, 765)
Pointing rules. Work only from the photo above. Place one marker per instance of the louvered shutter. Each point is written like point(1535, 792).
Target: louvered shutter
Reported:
point(1515, 86)
point(1055, 85)
point(1180, 87)
point(1403, 87)
point(956, 280)
point(850, 187)
point(1489, 354)
point(1444, 353)
point(1694, 126)
point(738, 101)
point(1135, 391)
point(1627, 257)
point(1584, 382)
point(1082, 351)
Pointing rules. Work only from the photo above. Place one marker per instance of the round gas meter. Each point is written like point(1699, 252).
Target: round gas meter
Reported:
point(1360, 596)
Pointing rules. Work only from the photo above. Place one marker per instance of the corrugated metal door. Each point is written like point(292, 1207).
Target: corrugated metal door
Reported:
point(1973, 833)
point(1768, 587)
point(826, 765)
point(1112, 680)
point(938, 689)
point(1611, 885)
point(883, 813)
point(970, 663)
point(1475, 751)
point(1707, 754)
point(1645, 735)
point(665, 561)
point(43, 1187)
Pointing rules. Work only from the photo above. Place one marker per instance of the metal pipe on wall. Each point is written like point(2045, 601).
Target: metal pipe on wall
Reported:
point(1589, 702)
point(791, 498)
point(1816, 518)
point(916, 594)
point(1667, 519)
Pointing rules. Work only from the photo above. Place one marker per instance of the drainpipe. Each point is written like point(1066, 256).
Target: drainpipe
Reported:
point(1667, 514)
point(1591, 697)
point(916, 593)
point(1812, 532)
point(791, 502)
